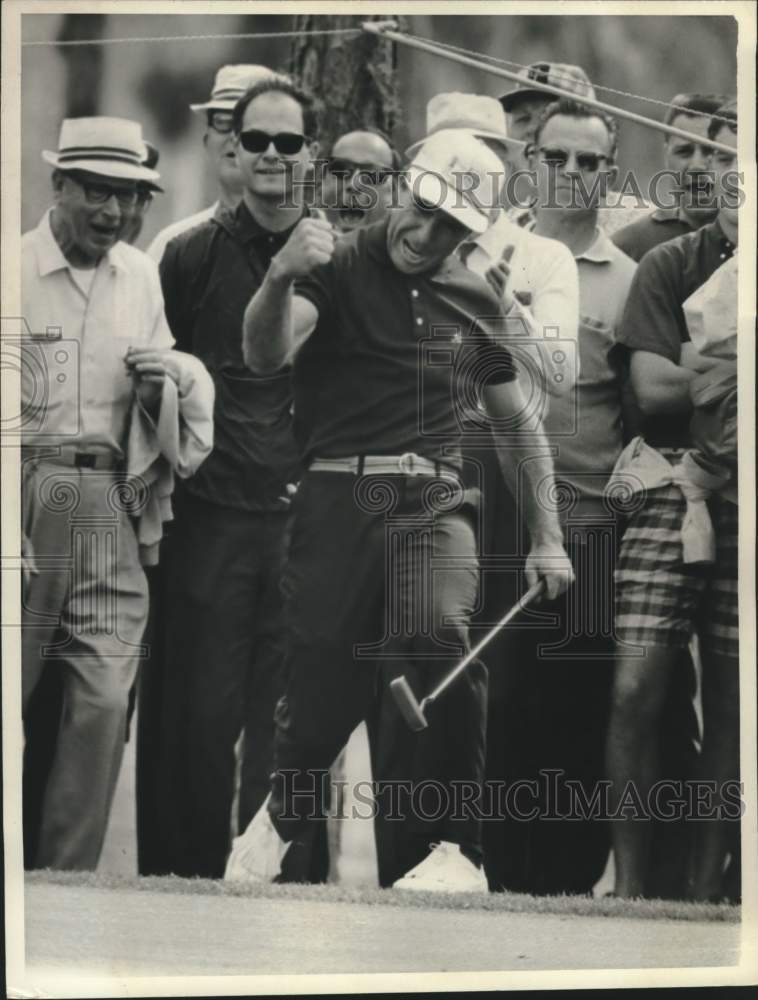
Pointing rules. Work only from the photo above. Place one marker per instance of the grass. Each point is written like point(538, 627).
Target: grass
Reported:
point(640, 909)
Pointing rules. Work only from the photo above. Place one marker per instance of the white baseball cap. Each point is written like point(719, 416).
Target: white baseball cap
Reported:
point(112, 147)
point(456, 172)
point(481, 116)
point(232, 82)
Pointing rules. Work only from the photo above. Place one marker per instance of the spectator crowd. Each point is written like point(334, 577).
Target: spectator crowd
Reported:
point(324, 432)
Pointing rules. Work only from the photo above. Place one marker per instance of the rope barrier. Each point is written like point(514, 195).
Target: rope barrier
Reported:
point(191, 38)
point(380, 28)
point(566, 76)
point(468, 57)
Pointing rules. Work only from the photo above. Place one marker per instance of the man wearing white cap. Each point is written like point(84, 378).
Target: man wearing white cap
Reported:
point(94, 309)
point(536, 280)
point(230, 84)
point(385, 330)
point(536, 277)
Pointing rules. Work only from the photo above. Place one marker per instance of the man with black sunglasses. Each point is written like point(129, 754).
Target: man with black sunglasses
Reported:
point(222, 633)
point(230, 83)
point(218, 141)
point(357, 179)
point(391, 337)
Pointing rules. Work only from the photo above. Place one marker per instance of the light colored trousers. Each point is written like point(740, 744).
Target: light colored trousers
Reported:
point(84, 613)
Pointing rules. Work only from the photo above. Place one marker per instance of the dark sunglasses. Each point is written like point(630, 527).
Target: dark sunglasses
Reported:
point(99, 194)
point(557, 157)
point(338, 166)
point(285, 143)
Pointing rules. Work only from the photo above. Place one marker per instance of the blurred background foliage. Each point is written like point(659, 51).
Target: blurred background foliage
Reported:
point(362, 79)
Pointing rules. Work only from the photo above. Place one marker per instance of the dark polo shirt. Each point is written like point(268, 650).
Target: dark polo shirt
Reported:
point(643, 234)
point(654, 318)
point(209, 275)
point(394, 359)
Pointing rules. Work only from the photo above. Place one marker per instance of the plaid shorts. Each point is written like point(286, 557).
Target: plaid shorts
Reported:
point(660, 600)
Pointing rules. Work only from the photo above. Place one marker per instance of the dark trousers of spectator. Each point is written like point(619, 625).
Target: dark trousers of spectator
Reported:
point(219, 671)
point(380, 578)
point(549, 712)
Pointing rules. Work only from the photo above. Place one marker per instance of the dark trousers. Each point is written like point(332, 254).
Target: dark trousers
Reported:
point(380, 578)
point(219, 647)
point(551, 698)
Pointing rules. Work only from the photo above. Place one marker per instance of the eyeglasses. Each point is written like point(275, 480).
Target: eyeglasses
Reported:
point(339, 166)
point(100, 194)
point(220, 121)
point(557, 157)
point(285, 143)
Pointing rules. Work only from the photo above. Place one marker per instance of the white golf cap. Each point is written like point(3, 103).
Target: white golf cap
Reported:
point(113, 147)
point(231, 83)
point(459, 174)
point(483, 117)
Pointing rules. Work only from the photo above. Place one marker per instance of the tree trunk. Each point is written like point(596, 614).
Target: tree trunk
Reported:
point(84, 63)
point(351, 78)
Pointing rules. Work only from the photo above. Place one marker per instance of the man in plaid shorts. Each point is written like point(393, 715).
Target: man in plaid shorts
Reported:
point(665, 591)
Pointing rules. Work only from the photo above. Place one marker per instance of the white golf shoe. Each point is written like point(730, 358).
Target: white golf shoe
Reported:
point(257, 854)
point(444, 870)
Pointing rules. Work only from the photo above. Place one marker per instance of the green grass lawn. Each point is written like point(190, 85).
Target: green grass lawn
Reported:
point(643, 909)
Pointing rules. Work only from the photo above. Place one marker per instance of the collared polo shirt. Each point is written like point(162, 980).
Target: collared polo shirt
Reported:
point(647, 232)
point(543, 277)
point(209, 274)
point(75, 388)
point(394, 361)
point(654, 319)
point(168, 233)
point(586, 425)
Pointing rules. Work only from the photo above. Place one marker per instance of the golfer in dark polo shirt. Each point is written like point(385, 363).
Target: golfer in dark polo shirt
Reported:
point(388, 333)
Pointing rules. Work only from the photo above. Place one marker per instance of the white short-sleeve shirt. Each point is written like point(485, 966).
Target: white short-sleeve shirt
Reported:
point(75, 387)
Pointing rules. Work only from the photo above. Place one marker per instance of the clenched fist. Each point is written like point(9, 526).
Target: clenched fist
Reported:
point(311, 243)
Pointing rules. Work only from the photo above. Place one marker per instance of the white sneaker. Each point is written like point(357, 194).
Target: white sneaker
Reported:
point(256, 854)
point(445, 870)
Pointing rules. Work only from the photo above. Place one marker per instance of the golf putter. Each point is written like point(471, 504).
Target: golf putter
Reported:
point(412, 710)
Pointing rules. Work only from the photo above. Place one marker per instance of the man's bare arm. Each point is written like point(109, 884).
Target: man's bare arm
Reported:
point(660, 385)
point(277, 322)
point(526, 471)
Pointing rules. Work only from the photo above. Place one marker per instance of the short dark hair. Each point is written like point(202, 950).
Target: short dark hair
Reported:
point(575, 109)
point(692, 106)
point(397, 161)
point(727, 110)
point(275, 86)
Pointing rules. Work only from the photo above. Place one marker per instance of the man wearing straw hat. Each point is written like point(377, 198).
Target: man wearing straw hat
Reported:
point(378, 326)
point(94, 309)
point(230, 84)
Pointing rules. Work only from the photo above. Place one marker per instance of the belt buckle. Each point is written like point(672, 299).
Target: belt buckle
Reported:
point(82, 460)
point(405, 463)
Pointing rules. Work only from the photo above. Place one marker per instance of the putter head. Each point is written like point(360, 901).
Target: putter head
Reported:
point(410, 709)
